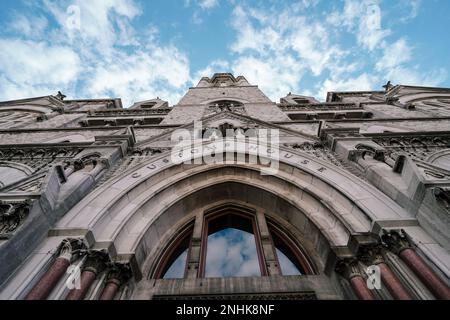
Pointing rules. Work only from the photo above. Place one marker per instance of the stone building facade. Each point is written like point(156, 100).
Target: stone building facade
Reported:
point(362, 181)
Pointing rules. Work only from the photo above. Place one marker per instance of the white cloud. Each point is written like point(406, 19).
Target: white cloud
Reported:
point(394, 55)
point(364, 19)
point(276, 76)
point(414, 8)
point(364, 82)
point(208, 4)
point(157, 72)
point(98, 20)
point(30, 27)
point(31, 65)
point(105, 58)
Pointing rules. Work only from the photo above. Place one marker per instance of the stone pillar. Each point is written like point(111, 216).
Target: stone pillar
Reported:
point(94, 265)
point(373, 255)
point(68, 249)
point(117, 276)
point(349, 269)
point(400, 245)
point(268, 250)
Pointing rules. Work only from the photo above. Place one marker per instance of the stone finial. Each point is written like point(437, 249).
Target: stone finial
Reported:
point(388, 86)
point(60, 96)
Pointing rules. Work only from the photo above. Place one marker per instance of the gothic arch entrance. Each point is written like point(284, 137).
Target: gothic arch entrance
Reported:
point(136, 218)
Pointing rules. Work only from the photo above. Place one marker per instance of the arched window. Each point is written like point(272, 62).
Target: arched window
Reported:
point(230, 247)
point(229, 243)
point(174, 263)
point(291, 260)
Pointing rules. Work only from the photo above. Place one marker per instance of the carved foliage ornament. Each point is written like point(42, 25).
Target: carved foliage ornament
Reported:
point(318, 150)
point(418, 147)
point(442, 195)
point(12, 215)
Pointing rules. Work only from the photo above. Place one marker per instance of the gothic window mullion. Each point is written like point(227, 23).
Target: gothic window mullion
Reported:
point(268, 249)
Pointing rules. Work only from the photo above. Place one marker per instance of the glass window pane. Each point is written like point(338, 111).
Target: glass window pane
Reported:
point(176, 270)
point(231, 253)
point(287, 267)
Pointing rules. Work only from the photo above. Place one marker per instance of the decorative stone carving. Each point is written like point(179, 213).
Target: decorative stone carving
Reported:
point(348, 268)
point(225, 105)
point(371, 254)
point(128, 113)
point(416, 146)
point(12, 215)
point(96, 261)
point(239, 297)
point(320, 107)
point(70, 249)
point(136, 157)
point(38, 158)
point(318, 150)
point(442, 196)
point(396, 241)
point(119, 273)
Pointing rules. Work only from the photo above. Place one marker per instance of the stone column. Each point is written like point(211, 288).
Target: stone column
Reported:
point(94, 265)
point(399, 244)
point(373, 255)
point(349, 269)
point(117, 276)
point(46, 284)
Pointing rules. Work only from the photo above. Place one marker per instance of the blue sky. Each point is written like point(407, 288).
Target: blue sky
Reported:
point(139, 50)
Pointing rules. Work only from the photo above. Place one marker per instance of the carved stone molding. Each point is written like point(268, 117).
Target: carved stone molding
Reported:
point(38, 158)
point(416, 146)
point(12, 215)
point(239, 297)
point(318, 150)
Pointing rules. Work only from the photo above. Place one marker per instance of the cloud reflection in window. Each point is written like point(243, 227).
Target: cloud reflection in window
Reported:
point(232, 253)
point(176, 270)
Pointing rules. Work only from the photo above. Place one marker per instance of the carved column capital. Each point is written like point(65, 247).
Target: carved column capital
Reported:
point(396, 241)
point(12, 215)
point(71, 248)
point(372, 254)
point(119, 273)
point(96, 262)
point(348, 268)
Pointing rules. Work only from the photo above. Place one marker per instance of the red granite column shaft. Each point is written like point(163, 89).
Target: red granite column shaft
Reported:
point(87, 278)
point(360, 288)
point(110, 290)
point(433, 282)
point(48, 281)
point(392, 283)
